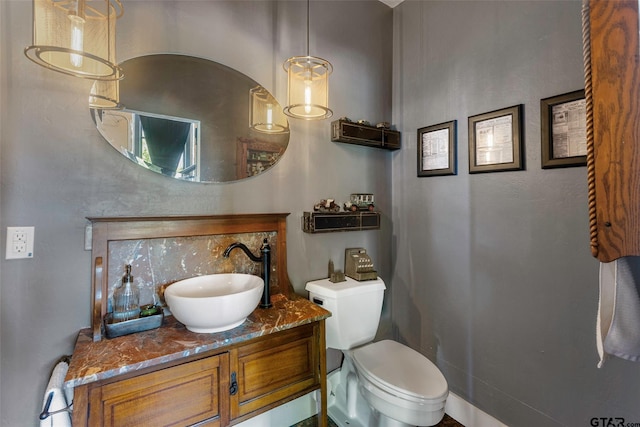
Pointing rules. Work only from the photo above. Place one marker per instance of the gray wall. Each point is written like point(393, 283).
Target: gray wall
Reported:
point(492, 274)
point(56, 170)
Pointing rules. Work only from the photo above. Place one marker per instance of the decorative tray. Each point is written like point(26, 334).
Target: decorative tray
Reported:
point(127, 327)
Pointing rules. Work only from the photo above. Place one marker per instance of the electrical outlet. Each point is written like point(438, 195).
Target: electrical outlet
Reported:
point(19, 242)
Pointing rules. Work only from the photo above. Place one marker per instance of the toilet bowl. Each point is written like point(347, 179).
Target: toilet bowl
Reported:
point(380, 384)
point(400, 383)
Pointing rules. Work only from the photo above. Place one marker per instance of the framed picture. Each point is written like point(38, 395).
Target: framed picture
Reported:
point(496, 141)
point(563, 121)
point(437, 150)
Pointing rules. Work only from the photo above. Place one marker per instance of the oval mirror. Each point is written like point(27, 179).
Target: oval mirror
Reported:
point(190, 118)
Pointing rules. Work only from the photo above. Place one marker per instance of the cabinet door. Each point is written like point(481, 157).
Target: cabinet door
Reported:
point(612, 89)
point(178, 396)
point(275, 370)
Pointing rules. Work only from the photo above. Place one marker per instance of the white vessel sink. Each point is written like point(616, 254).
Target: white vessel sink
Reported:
point(214, 303)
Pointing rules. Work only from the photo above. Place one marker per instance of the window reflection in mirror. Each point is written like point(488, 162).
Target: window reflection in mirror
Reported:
point(164, 144)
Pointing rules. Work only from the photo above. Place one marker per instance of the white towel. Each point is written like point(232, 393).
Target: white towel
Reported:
point(618, 322)
point(58, 399)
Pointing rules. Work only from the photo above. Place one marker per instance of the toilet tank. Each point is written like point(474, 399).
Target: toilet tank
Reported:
point(355, 310)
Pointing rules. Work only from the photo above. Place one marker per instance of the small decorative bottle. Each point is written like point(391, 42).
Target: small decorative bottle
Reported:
point(126, 299)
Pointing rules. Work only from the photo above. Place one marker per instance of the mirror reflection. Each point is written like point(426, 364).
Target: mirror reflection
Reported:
point(194, 119)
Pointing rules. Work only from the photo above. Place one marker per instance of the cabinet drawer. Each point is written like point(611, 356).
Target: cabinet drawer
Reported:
point(275, 370)
point(179, 396)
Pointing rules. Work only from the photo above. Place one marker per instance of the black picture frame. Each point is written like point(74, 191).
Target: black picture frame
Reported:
point(437, 149)
point(496, 141)
point(563, 130)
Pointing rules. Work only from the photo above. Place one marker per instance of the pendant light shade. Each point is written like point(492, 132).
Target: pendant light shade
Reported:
point(266, 115)
point(76, 37)
point(308, 85)
point(105, 95)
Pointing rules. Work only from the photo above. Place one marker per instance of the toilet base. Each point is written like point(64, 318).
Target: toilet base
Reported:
point(388, 422)
point(337, 408)
point(347, 409)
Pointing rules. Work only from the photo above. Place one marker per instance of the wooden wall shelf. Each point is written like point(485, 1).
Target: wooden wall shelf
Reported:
point(321, 222)
point(368, 136)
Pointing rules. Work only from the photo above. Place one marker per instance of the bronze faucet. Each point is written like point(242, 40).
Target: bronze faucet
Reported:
point(265, 259)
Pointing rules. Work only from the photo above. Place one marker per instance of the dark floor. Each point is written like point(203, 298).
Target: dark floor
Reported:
point(447, 421)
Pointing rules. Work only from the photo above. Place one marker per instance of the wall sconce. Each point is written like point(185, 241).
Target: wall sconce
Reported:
point(266, 115)
point(308, 85)
point(76, 37)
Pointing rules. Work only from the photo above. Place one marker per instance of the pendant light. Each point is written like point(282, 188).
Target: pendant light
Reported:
point(266, 114)
point(308, 85)
point(76, 37)
point(105, 95)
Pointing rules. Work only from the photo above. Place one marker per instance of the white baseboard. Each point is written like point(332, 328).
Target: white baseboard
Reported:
point(304, 407)
point(467, 414)
point(285, 415)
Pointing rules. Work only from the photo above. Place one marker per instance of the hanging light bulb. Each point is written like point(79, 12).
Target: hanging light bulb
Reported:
point(307, 95)
point(308, 85)
point(76, 37)
point(269, 117)
point(266, 115)
point(77, 33)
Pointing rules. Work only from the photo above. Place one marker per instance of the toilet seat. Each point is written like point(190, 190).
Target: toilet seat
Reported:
point(401, 372)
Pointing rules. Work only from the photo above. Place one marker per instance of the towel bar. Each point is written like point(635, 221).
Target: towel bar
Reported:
point(45, 412)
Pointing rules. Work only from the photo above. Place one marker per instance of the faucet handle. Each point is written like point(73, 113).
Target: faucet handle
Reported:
point(265, 245)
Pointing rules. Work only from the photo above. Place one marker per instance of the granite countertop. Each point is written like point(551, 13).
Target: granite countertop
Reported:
point(95, 361)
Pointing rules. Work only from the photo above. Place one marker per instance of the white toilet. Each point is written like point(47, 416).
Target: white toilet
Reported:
point(381, 384)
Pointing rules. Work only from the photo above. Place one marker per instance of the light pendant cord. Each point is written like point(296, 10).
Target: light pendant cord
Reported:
point(308, 54)
point(308, 84)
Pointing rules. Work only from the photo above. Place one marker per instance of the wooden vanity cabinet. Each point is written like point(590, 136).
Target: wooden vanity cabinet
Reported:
point(216, 390)
point(214, 380)
point(612, 92)
point(180, 395)
point(275, 369)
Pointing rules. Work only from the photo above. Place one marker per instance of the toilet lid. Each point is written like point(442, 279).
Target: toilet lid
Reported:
point(400, 370)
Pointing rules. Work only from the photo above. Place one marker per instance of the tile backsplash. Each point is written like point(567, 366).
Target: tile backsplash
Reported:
point(156, 263)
